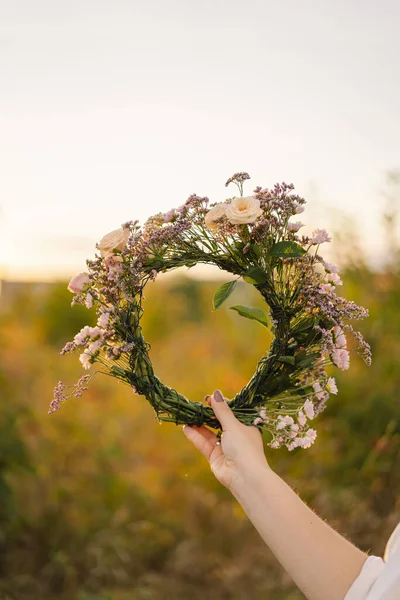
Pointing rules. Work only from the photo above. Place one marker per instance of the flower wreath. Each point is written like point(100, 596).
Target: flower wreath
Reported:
point(254, 239)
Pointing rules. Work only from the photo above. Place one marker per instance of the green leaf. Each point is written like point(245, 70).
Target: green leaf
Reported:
point(256, 314)
point(223, 292)
point(286, 250)
point(304, 360)
point(305, 324)
point(255, 275)
point(287, 360)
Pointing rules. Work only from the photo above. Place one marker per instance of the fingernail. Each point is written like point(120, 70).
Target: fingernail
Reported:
point(218, 396)
point(208, 399)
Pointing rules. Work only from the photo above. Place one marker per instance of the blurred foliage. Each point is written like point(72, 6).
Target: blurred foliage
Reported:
point(100, 502)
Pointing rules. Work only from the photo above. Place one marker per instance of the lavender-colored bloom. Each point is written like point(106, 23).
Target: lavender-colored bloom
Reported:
point(341, 359)
point(319, 236)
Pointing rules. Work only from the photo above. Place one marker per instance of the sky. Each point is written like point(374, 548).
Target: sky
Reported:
point(112, 111)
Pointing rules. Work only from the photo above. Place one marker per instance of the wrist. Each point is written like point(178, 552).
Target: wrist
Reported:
point(251, 481)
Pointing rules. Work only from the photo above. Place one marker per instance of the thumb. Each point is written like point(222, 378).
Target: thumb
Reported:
point(222, 411)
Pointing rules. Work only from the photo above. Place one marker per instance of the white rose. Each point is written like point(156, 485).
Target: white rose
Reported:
point(243, 210)
point(78, 283)
point(115, 240)
point(216, 212)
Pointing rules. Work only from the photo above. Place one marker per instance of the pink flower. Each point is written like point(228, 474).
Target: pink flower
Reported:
point(295, 226)
point(301, 417)
point(309, 409)
point(319, 236)
point(113, 263)
point(79, 283)
point(169, 216)
point(275, 444)
point(103, 319)
point(309, 438)
point(330, 267)
point(87, 333)
point(333, 278)
point(340, 338)
point(257, 421)
point(298, 209)
point(85, 359)
point(341, 358)
point(89, 301)
point(331, 385)
point(94, 346)
point(283, 422)
point(319, 392)
point(325, 288)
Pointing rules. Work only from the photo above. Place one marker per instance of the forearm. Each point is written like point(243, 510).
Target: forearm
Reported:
point(321, 562)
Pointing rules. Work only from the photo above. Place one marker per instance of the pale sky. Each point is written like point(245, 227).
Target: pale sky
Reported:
point(111, 111)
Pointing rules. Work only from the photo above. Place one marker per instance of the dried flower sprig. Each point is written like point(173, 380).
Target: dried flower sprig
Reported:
point(255, 239)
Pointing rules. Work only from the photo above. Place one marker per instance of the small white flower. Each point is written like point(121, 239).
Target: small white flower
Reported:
point(89, 301)
point(309, 409)
point(319, 392)
point(94, 346)
point(85, 359)
point(341, 358)
point(330, 267)
point(309, 438)
point(325, 288)
point(301, 417)
point(331, 386)
point(340, 338)
point(283, 422)
point(295, 226)
point(333, 278)
point(319, 236)
point(103, 319)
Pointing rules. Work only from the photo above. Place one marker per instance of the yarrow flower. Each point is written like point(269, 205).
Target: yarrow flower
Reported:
point(301, 417)
point(295, 226)
point(331, 386)
point(103, 319)
point(319, 236)
point(341, 359)
point(85, 359)
point(333, 279)
point(284, 422)
point(309, 408)
point(330, 267)
point(89, 301)
point(87, 333)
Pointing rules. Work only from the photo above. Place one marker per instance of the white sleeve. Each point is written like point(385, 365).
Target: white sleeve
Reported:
point(378, 580)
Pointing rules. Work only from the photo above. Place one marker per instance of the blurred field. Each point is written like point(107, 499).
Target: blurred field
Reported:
point(100, 502)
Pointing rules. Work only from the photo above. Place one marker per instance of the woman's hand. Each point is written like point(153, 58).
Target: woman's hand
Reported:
point(322, 563)
point(240, 455)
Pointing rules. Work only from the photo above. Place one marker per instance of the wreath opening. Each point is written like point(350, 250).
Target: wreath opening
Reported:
point(252, 238)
